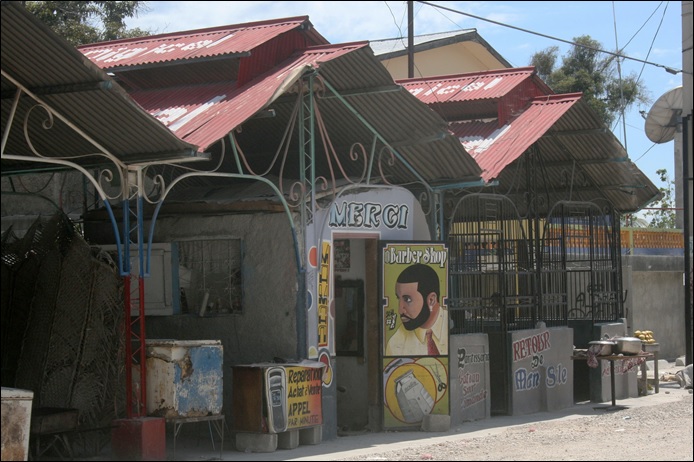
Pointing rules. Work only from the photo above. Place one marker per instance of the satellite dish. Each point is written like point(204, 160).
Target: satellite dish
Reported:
point(662, 119)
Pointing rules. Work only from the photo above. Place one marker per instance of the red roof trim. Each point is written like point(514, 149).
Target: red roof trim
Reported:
point(203, 43)
point(494, 148)
point(201, 115)
point(515, 70)
point(187, 33)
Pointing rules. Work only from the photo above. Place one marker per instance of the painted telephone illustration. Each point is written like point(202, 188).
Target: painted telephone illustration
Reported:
point(278, 399)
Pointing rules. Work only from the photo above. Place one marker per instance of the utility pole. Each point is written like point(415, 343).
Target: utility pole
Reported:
point(410, 39)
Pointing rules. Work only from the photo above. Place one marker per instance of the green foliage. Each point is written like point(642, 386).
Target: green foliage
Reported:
point(587, 70)
point(661, 214)
point(88, 22)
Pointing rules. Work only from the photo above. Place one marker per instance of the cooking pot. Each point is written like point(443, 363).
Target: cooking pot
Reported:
point(601, 347)
point(627, 345)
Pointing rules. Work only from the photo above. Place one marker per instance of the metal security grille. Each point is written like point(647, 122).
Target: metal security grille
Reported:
point(580, 261)
point(490, 269)
point(62, 324)
point(210, 276)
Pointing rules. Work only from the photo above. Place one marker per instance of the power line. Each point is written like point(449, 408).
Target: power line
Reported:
point(619, 55)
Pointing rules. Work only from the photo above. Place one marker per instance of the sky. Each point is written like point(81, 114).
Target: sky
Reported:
point(646, 30)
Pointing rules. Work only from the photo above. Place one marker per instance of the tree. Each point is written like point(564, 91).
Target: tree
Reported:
point(594, 73)
point(88, 22)
point(661, 214)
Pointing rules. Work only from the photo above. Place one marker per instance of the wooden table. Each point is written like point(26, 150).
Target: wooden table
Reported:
point(653, 349)
point(612, 359)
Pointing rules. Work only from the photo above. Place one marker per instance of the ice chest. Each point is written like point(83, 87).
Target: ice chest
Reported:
point(16, 422)
point(184, 377)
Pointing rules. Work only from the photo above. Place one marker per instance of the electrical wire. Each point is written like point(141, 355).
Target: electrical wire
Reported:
point(619, 55)
point(643, 67)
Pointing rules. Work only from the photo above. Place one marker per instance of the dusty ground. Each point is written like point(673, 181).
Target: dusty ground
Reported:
point(659, 432)
point(654, 427)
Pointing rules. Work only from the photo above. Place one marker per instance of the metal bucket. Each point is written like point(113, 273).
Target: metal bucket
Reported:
point(601, 347)
point(627, 345)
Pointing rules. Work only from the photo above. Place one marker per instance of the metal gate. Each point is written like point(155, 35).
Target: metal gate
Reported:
point(580, 265)
point(490, 280)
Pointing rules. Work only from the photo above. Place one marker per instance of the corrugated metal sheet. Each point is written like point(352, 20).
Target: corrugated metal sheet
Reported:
point(495, 147)
point(471, 87)
point(399, 44)
point(77, 89)
point(202, 115)
point(191, 45)
point(205, 114)
point(581, 158)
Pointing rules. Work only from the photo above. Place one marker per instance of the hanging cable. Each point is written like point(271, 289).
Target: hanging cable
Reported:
point(619, 55)
point(619, 77)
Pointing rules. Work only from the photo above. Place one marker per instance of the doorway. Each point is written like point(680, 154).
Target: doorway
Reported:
point(356, 334)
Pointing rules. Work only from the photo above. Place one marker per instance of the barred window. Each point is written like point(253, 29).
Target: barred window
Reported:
point(210, 276)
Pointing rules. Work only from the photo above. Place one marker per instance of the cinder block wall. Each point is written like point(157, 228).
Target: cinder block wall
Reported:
point(654, 286)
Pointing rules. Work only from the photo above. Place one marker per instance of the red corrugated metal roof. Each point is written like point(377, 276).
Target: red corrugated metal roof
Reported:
point(187, 45)
point(473, 86)
point(201, 115)
point(496, 147)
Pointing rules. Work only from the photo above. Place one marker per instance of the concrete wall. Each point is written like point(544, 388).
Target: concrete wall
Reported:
point(267, 327)
point(469, 390)
point(541, 369)
point(654, 288)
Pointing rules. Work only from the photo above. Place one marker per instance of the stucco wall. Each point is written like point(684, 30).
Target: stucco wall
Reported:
point(655, 300)
point(455, 58)
point(264, 330)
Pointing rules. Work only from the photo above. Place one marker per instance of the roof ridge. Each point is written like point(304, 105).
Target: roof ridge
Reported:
point(426, 35)
point(247, 25)
point(511, 70)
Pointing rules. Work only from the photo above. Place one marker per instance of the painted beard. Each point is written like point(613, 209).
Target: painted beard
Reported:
point(417, 321)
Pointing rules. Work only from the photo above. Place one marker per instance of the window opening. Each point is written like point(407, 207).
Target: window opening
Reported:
point(210, 276)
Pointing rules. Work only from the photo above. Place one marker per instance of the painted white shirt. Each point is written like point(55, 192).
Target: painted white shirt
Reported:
point(413, 342)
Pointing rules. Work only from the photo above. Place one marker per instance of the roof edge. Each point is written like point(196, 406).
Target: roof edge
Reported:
point(514, 70)
point(465, 35)
point(298, 19)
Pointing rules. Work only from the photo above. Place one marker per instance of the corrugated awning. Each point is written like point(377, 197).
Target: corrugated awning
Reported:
point(494, 148)
point(203, 114)
point(206, 114)
point(90, 112)
point(500, 94)
point(577, 152)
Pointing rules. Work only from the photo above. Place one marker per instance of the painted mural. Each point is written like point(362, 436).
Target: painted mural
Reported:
point(415, 332)
point(413, 388)
point(385, 211)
